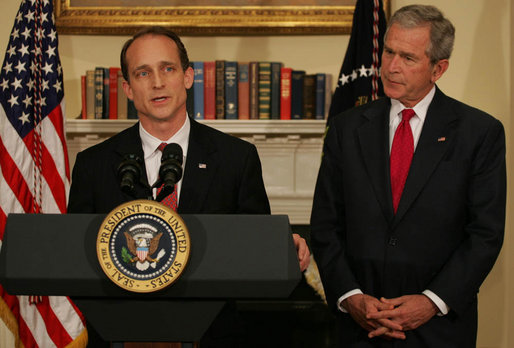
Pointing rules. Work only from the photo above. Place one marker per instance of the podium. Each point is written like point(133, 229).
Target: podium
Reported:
point(232, 257)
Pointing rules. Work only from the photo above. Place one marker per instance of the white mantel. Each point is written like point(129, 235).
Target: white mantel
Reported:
point(290, 152)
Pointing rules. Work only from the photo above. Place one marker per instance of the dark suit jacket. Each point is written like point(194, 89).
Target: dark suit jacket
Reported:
point(230, 183)
point(446, 234)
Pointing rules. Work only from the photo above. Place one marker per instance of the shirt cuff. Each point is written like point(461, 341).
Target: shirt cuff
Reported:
point(443, 307)
point(344, 297)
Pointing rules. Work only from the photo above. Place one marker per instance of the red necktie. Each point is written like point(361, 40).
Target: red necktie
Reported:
point(171, 199)
point(402, 151)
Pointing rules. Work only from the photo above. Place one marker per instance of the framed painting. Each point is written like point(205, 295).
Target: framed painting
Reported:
point(207, 17)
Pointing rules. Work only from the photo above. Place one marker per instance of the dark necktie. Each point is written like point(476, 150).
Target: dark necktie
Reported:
point(402, 151)
point(171, 199)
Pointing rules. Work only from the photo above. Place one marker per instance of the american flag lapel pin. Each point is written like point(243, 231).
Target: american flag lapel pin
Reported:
point(441, 139)
point(202, 165)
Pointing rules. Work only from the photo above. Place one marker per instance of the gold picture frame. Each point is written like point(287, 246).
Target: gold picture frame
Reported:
point(117, 17)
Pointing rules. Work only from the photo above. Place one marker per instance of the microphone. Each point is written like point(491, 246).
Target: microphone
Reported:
point(129, 172)
point(170, 171)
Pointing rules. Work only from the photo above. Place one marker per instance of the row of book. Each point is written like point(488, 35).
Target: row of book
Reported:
point(221, 90)
point(257, 90)
point(103, 96)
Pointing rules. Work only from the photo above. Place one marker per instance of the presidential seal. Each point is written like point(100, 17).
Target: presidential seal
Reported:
point(143, 246)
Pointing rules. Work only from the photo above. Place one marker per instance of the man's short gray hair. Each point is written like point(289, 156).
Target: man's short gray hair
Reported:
point(442, 31)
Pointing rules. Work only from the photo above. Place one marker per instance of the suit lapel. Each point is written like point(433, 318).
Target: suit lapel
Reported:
point(374, 142)
point(201, 166)
point(130, 143)
point(435, 139)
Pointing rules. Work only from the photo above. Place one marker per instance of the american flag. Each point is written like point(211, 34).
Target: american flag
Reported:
point(34, 170)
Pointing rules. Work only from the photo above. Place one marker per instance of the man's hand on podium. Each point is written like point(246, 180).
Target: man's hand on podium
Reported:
point(302, 251)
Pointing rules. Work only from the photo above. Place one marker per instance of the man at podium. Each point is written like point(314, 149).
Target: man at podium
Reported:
point(221, 173)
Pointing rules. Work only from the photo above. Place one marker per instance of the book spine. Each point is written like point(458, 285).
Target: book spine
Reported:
point(328, 93)
point(243, 91)
point(122, 98)
point(264, 90)
point(320, 96)
point(90, 94)
point(309, 96)
point(83, 113)
point(105, 110)
point(209, 70)
point(285, 93)
point(113, 93)
point(297, 94)
point(220, 89)
point(99, 92)
point(231, 90)
point(254, 90)
point(275, 91)
point(198, 89)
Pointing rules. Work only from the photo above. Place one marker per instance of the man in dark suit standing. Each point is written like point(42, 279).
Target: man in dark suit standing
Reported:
point(222, 174)
point(409, 208)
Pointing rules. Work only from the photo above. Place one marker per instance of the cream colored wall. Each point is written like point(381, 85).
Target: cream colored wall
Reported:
point(480, 74)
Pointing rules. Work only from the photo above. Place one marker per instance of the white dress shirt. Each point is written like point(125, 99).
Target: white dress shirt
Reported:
point(416, 124)
point(153, 154)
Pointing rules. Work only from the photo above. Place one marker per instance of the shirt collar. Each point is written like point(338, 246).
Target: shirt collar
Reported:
point(420, 108)
point(151, 143)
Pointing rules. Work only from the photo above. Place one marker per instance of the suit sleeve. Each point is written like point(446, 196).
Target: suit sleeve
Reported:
point(328, 223)
point(459, 280)
point(252, 198)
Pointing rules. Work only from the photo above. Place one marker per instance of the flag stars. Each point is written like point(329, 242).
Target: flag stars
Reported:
point(44, 87)
point(30, 84)
point(344, 79)
point(24, 118)
point(29, 16)
point(26, 33)
point(52, 34)
point(24, 50)
point(58, 86)
point(27, 101)
point(354, 75)
point(50, 51)
point(13, 101)
point(15, 34)
point(363, 71)
point(47, 68)
point(16, 84)
point(7, 67)
point(20, 67)
point(11, 51)
point(4, 84)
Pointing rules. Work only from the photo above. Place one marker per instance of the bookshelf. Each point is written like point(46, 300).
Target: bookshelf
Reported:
point(290, 152)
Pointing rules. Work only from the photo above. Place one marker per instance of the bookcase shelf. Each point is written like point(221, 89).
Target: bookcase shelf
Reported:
point(290, 153)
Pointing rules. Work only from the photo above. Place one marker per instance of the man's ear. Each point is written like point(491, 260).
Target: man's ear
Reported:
point(439, 69)
point(127, 89)
point(189, 77)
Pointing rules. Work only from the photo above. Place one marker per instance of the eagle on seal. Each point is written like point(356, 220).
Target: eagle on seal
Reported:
point(142, 246)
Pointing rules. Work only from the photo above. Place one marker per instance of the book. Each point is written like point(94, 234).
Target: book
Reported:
point(231, 90)
point(209, 77)
point(198, 91)
point(285, 93)
point(220, 89)
point(105, 100)
point(243, 91)
point(113, 92)
point(99, 92)
point(309, 96)
point(320, 96)
point(83, 112)
point(328, 94)
point(297, 94)
point(254, 90)
point(275, 90)
point(90, 94)
point(122, 98)
point(264, 90)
